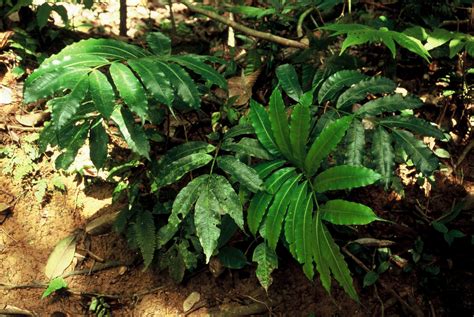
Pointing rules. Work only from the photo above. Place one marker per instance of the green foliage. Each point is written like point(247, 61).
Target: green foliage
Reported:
point(358, 34)
point(380, 122)
point(288, 208)
point(54, 285)
point(92, 81)
point(440, 37)
point(99, 307)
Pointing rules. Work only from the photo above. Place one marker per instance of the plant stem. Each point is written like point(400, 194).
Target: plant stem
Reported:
point(246, 30)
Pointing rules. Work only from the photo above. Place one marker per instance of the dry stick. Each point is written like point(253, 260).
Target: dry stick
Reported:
point(414, 310)
point(466, 150)
point(19, 128)
point(246, 30)
point(173, 22)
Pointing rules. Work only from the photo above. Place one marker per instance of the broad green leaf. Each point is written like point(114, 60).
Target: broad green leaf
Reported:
point(232, 258)
point(246, 175)
point(342, 212)
point(276, 180)
point(257, 210)
point(383, 153)
point(355, 143)
point(62, 65)
point(336, 82)
point(387, 39)
point(325, 120)
point(344, 177)
point(277, 211)
point(207, 220)
point(131, 132)
point(144, 229)
point(62, 12)
point(319, 250)
point(157, 83)
point(418, 152)
point(61, 257)
point(252, 12)
point(304, 238)
point(332, 259)
point(360, 37)
point(437, 38)
point(196, 65)
point(182, 205)
point(98, 140)
point(229, 202)
point(247, 146)
point(261, 123)
point(64, 108)
point(42, 14)
point(389, 104)
point(279, 123)
point(325, 143)
point(238, 130)
point(455, 46)
point(56, 81)
point(411, 44)
point(71, 139)
point(102, 93)
point(267, 261)
point(358, 92)
point(185, 87)
point(177, 169)
point(106, 48)
point(266, 168)
point(54, 285)
point(183, 150)
point(299, 132)
point(130, 90)
point(288, 79)
point(413, 124)
point(370, 278)
point(295, 211)
point(159, 43)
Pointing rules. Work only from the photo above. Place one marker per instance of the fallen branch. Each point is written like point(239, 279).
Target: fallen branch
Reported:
point(415, 310)
point(242, 28)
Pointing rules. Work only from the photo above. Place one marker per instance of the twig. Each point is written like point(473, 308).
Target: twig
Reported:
point(19, 128)
point(97, 268)
point(416, 311)
point(464, 153)
point(246, 30)
point(173, 22)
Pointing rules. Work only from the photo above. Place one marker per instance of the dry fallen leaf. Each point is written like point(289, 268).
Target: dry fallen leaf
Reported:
point(61, 257)
point(241, 86)
point(6, 95)
point(32, 119)
point(191, 300)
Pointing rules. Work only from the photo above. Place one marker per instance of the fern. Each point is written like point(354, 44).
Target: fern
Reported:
point(289, 207)
point(107, 79)
point(385, 118)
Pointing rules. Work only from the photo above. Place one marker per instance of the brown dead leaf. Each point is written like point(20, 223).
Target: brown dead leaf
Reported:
point(4, 37)
point(32, 119)
point(61, 257)
point(241, 87)
point(191, 300)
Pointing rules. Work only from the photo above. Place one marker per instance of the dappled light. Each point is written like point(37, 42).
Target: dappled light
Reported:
point(236, 158)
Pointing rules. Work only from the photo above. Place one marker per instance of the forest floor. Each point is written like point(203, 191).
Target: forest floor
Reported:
point(442, 283)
